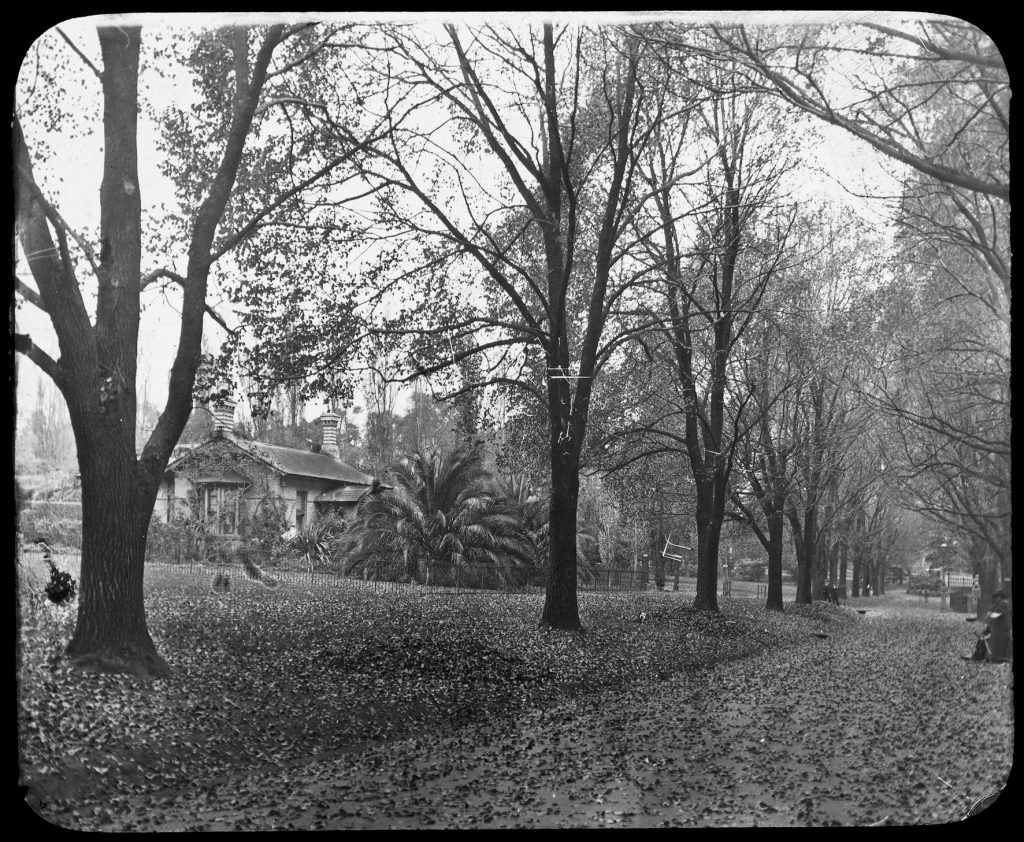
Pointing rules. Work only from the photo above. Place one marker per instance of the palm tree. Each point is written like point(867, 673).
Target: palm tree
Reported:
point(443, 514)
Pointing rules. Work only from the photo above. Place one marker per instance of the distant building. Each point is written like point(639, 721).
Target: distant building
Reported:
point(230, 482)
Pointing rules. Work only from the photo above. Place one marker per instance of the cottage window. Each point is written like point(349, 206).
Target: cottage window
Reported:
point(300, 508)
point(220, 505)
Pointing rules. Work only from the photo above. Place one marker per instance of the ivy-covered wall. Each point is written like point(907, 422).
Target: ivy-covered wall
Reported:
point(264, 494)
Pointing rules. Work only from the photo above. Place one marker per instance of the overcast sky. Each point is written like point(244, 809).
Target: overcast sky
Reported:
point(839, 164)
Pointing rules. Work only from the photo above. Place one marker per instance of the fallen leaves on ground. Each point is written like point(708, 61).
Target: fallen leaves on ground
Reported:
point(304, 708)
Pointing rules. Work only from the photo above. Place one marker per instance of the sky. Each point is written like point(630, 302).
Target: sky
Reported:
point(840, 162)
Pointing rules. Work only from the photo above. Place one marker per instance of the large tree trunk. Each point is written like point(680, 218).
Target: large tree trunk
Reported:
point(807, 559)
point(561, 606)
point(776, 537)
point(709, 514)
point(111, 634)
point(99, 385)
point(803, 551)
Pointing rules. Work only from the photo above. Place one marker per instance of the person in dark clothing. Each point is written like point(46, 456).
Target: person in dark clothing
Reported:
point(1000, 628)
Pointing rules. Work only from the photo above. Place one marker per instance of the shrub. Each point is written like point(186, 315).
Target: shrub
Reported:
point(62, 586)
point(334, 523)
point(166, 541)
point(313, 545)
point(182, 540)
point(341, 540)
point(749, 570)
point(266, 526)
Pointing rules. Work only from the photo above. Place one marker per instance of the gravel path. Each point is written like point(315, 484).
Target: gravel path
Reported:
point(881, 721)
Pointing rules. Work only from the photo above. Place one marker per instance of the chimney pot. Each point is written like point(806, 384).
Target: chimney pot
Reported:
point(224, 411)
point(330, 422)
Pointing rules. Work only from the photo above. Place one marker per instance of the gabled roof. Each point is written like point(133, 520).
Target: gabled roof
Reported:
point(292, 461)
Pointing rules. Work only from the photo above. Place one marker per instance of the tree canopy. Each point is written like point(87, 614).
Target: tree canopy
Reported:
point(603, 253)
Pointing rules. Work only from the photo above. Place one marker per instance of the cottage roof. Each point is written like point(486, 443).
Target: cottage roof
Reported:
point(290, 460)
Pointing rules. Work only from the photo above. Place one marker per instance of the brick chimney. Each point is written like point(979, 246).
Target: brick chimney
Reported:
point(330, 422)
point(223, 408)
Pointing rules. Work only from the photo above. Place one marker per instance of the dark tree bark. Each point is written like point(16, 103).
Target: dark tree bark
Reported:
point(709, 514)
point(776, 538)
point(96, 368)
point(561, 605)
point(807, 562)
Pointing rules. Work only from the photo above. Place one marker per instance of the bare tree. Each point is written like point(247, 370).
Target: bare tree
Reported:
point(504, 189)
point(95, 370)
point(713, 291)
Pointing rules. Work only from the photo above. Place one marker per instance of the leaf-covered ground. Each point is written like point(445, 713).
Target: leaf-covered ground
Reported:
point(348, 709)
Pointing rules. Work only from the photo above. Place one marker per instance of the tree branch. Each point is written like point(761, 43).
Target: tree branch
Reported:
point(151, 277)
point(80, 54)
point(58, 222)
point(29, 294)
point(23, 344)
point(823, 110)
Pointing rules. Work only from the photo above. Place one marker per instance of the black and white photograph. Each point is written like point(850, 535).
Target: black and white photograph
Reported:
point(512, 420)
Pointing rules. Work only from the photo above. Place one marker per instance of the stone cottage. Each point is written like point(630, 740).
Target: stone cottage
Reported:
point(231, 483)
